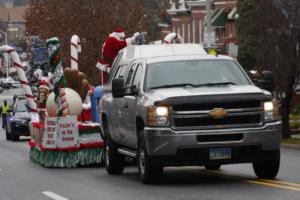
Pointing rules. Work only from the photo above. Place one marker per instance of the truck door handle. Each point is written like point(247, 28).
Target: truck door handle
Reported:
point(125, 105)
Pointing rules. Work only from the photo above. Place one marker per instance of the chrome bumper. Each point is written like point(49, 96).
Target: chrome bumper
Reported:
point(167, 142)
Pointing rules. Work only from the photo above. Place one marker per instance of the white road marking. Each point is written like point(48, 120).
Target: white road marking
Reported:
point(53, 195)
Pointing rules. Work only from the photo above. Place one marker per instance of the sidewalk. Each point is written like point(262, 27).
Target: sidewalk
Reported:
point(296, 136)
point(292, 146)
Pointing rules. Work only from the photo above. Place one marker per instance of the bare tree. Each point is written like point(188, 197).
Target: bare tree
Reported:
point(92, 20)
point(277, 35)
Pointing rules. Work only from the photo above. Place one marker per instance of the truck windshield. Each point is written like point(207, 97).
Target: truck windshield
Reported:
point(194, 73)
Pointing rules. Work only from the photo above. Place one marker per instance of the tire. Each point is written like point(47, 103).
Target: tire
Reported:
point(148, 173)
point(7, 134)
point(114, 162)
point(13, 135)
point(212, 166)
point(268, 169)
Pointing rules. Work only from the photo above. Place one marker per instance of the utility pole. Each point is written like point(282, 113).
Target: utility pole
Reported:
point(208, 15)
point(209, 33)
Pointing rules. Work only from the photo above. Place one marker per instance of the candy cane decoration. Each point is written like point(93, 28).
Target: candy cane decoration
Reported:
point(75, 49)
point(173, 37)
point(55, 62)
point(23, 80)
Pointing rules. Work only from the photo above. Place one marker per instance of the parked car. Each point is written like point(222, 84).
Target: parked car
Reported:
point(10, 83)
point(18, 120)
point(169, 105)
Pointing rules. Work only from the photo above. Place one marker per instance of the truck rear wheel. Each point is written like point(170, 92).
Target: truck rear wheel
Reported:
point(148, 172)
point(268, 169)
point(114, 162)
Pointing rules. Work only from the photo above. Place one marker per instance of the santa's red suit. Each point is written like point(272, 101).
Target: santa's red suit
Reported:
point(86, 114)
point(110, 48)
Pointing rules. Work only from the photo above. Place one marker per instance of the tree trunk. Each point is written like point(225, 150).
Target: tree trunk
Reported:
point(286, 119)
point(286, 105)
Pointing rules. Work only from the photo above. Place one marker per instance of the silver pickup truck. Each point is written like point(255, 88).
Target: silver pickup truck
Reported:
point(170, 105)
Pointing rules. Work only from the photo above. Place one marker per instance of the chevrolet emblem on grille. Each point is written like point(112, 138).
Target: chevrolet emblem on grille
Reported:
point(218, 113)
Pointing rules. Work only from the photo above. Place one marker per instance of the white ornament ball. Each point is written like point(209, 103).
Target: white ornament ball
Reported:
point(73, 99)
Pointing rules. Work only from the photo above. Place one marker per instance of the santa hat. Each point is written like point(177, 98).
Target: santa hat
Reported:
point(119, 32)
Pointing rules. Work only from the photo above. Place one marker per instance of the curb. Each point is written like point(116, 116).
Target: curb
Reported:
point(290, 146)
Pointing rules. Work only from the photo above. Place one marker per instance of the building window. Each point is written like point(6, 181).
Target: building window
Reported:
point(13, 33)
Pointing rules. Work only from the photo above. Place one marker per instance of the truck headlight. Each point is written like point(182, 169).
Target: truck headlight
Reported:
point(271, 111)
point(158, 116)
point(162, 111)
point(268, 106)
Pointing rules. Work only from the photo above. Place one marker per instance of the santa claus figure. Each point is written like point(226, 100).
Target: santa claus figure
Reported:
point(86, 114)
point(110, 48)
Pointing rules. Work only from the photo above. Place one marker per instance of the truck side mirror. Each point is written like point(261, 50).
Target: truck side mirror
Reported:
point(134, 90)
point(118, 88)
point(268, 81)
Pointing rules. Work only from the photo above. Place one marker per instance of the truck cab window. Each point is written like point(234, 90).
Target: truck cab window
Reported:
point(130, 75)
point(138, 76)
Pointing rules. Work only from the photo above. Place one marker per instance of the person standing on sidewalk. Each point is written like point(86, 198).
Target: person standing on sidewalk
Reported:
point(4, 111)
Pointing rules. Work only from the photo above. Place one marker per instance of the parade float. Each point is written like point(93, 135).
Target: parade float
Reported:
point(63, 133)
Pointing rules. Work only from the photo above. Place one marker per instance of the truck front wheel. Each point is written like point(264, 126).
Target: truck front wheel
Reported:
point(268, 169)
point(148, 172)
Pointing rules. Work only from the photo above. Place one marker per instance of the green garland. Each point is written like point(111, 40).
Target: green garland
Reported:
point(89, 131)
point(67, 159)
point(55, 58)
point(55, 63)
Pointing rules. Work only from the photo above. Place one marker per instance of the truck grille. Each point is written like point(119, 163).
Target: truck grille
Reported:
point(196, 116)
point(209, 121)
point(224, 105)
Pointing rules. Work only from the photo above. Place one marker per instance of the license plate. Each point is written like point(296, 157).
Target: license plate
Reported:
point(220, 153)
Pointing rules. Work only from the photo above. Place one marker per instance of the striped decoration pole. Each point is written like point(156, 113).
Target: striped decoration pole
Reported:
point(173, 37)
point(55, 62)
point(23, 80)
point(75, 49)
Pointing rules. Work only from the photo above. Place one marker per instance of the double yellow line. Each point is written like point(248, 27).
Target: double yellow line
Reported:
point(276, 183)
point(265, 182)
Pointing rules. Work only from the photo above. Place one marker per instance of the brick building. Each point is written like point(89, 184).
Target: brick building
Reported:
point(12, 21)
point(188, 18)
